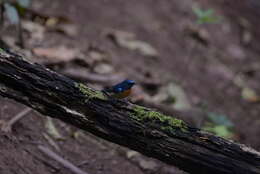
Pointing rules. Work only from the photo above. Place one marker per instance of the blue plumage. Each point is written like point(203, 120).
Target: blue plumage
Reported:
point(121, 90)
point(124, 85)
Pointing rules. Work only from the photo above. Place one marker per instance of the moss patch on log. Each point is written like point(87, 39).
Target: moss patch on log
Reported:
point(165, 122)
point(90, 93)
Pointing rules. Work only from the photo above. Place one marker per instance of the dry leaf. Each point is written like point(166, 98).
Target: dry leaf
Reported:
point(62, 25)
point(36, 30)
point(174, 95)
point(128, 40)
point(66, 28)
point(250, 95)
point(51, 21)
point(57, 54)
point(199, 34)
point(52, 130)
point(98, 56)
point(103, 68)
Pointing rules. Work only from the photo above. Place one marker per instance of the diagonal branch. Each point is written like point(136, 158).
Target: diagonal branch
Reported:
point(139, 128)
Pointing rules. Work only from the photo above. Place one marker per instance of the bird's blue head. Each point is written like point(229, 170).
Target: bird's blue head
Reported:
point(129, 83)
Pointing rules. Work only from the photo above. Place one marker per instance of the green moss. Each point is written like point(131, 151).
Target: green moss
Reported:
point(1, 50)
point(166, 122)
point(90, 93)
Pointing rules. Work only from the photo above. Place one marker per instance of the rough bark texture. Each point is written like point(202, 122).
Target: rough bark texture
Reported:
point(149, 132)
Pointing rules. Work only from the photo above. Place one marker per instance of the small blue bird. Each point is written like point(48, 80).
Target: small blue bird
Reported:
point(120, 90)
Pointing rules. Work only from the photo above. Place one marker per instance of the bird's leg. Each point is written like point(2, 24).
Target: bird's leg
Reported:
point(105, 92)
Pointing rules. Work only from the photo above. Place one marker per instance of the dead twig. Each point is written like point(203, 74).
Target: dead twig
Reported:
point(51, 141)
point(61, 160)
point(7, 127)
point(43, 160)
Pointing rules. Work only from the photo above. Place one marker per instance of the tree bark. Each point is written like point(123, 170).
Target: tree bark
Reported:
point(149, 132)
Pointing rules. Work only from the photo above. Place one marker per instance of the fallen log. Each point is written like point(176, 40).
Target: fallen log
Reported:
point(152, 133)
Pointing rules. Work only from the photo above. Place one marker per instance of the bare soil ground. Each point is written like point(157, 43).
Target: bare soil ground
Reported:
point(204, 59)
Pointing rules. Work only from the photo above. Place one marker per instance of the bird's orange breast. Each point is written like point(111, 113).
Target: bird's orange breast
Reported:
point(123, 94)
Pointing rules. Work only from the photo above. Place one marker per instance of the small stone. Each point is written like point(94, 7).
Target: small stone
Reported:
point(131, 154)
point(148, 165)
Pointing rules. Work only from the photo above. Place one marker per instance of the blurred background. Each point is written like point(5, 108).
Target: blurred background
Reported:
point(196, 60)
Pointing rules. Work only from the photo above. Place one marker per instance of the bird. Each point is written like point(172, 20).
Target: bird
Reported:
point(120, 90)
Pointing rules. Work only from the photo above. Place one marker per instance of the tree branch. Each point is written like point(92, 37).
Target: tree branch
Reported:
point(139, 128)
